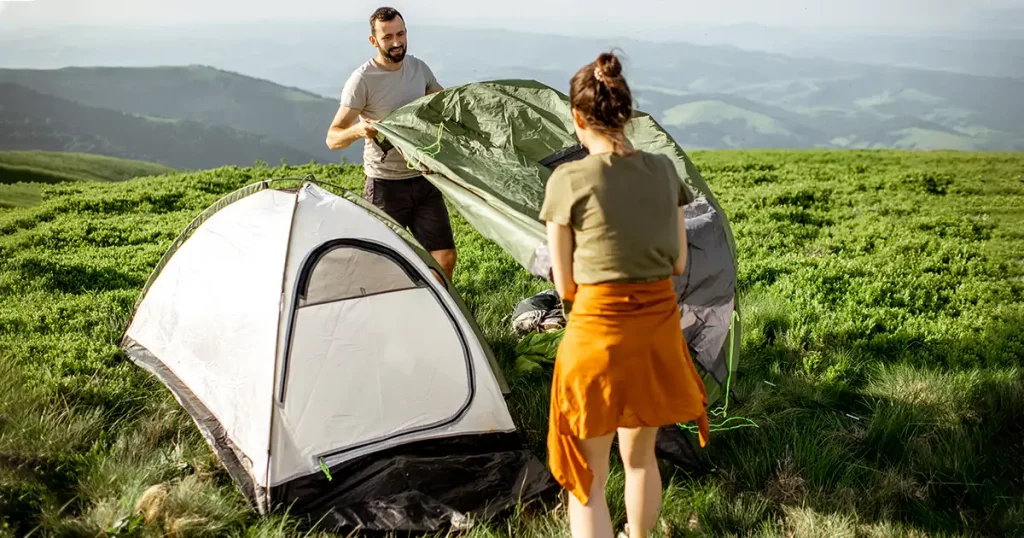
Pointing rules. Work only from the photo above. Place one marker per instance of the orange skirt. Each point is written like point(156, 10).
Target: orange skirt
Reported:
point(622, 363)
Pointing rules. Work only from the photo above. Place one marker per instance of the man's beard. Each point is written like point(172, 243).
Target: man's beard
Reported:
point(394, 54)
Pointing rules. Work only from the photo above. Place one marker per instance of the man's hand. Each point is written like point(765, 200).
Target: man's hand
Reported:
point(367, 130)
point(344, 130)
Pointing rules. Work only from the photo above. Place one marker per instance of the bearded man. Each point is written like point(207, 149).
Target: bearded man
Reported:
point(389, 80)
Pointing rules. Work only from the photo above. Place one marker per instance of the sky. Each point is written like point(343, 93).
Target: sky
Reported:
point(573, 16)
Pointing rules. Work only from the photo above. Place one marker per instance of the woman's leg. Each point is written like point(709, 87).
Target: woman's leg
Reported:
point(593, 520)
point(643, 480)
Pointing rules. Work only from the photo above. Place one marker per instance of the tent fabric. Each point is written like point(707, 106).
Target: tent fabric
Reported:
point(707, 289)
point(428, 259)
point(211, 316)
point(418, 338)
point(213, 431)
point(303, 332)
point(490, 148)
point(343, 273)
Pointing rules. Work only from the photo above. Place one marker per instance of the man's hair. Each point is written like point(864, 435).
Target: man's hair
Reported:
point(383, 14)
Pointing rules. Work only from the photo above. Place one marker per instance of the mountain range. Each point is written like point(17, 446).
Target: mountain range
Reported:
point(223, 117)
point(273, 88)
point(31, 120)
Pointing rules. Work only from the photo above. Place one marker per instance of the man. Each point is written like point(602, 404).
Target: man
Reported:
point(388, 81)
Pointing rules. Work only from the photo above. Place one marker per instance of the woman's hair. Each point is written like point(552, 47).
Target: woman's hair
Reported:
point(600, 93)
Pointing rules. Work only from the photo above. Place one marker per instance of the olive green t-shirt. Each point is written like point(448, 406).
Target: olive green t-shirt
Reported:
point(623, 211)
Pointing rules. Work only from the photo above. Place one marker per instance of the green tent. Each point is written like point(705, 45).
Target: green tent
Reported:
point(491, 146)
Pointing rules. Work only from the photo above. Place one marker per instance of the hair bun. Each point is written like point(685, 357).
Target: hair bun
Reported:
point(600, 93)
point(609, 65)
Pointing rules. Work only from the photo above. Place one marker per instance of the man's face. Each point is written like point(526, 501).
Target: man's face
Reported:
point(390, 39)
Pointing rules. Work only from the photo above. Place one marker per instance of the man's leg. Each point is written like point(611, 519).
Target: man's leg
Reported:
point(431, 225)
point(393, 197)
point(446, 259)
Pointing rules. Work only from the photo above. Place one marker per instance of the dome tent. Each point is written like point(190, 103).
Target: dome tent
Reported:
point(306, 335)
point(490, 148)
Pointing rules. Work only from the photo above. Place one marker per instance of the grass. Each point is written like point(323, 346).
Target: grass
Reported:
point(57, 167)
point(883, 296)
point(22, 172)
point(19, 195)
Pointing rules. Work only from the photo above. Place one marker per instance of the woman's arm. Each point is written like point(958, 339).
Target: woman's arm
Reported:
point(560, 245)
point(680, 264)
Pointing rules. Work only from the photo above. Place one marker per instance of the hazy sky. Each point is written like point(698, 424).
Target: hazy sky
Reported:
point(570, 14)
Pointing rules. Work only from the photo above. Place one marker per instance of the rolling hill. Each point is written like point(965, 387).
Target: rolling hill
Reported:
point(709, 120)
point(22, 172)
point(288, 116)
point(30, 120)
point(19, 195)
point(54, 167)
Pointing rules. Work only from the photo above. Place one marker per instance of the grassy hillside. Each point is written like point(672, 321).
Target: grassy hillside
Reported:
point(30, 120)
point(19, 195)
point(21, 172)
point(55, 166)
point(883, 295)
point(289, 116)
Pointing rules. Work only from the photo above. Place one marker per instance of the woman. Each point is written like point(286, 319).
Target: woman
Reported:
point(616, 234)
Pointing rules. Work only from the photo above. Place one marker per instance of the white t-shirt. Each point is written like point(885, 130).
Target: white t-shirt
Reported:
point(375, 92)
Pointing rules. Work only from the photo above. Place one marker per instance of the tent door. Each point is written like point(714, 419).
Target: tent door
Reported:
point(374, 356)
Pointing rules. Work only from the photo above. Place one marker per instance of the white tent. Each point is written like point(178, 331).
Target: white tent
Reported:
point(307, 335)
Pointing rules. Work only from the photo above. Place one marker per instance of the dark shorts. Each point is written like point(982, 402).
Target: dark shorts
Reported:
point(416, 204)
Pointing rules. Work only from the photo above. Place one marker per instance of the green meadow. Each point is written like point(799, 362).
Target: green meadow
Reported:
point(22, 172)
point(881, 362)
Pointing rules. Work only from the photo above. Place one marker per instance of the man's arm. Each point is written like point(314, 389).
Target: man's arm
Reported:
point(433, 86)
point(344, 130)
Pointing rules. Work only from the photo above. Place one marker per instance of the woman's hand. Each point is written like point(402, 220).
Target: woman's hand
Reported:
point(560, 246)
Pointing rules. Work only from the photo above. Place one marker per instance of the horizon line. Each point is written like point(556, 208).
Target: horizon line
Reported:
point(894, 30)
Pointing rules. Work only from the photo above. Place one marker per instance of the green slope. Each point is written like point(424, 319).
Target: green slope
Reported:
point(289, 116)
point(56, 166)
point(19, 195)
point(716, 112)
point(21, 172)
point(883, 293)
point(715, 123)
point(32, 120)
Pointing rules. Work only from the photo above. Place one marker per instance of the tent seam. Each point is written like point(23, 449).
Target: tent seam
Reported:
point(277, 340)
